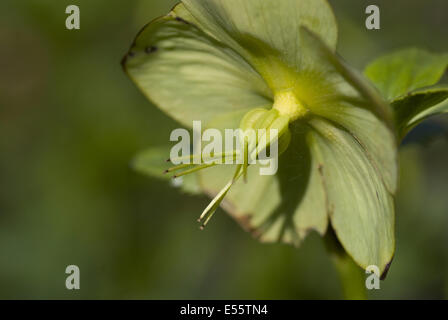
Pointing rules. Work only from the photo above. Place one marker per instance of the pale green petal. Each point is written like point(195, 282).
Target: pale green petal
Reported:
point(376, 139)
point(358, 108)
point(152, 162)
point(189, 75)
point(360, 207)
point(266, 32)
point(344, 84)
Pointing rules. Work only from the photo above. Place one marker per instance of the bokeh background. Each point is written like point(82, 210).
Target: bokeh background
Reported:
point(71, 121)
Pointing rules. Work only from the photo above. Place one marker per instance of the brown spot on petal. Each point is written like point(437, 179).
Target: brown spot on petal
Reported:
point(386, 269)
point(151, 49)
point(244, 220)
point(182, 20)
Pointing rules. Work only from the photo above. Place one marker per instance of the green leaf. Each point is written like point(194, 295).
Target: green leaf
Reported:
point(360, 207)
point(403, 71)
point(152, 162)
point(435, 110)
point(190, 75)
point(405, 78)
point(418, 105)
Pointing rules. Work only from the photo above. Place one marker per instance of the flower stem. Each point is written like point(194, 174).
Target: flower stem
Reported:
point(350, 274)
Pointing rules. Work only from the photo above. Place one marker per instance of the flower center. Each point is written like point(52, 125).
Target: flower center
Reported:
point(287, 104)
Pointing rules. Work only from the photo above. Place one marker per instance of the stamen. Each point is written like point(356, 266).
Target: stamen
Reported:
point(197, 168)
point(181, 166)
point(214, 204)
point(202, 158)
point(222, 155)
point(246, 158)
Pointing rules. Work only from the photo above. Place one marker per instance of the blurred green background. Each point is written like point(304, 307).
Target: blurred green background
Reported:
point(71, 121)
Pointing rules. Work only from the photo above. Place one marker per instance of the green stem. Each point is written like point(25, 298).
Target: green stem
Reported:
point(350, 274)
point(351, 277)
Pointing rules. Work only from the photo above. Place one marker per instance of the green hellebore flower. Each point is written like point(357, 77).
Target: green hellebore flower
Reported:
point(216, 60)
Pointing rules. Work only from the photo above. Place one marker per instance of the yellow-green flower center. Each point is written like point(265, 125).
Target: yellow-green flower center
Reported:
point(287, 104)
